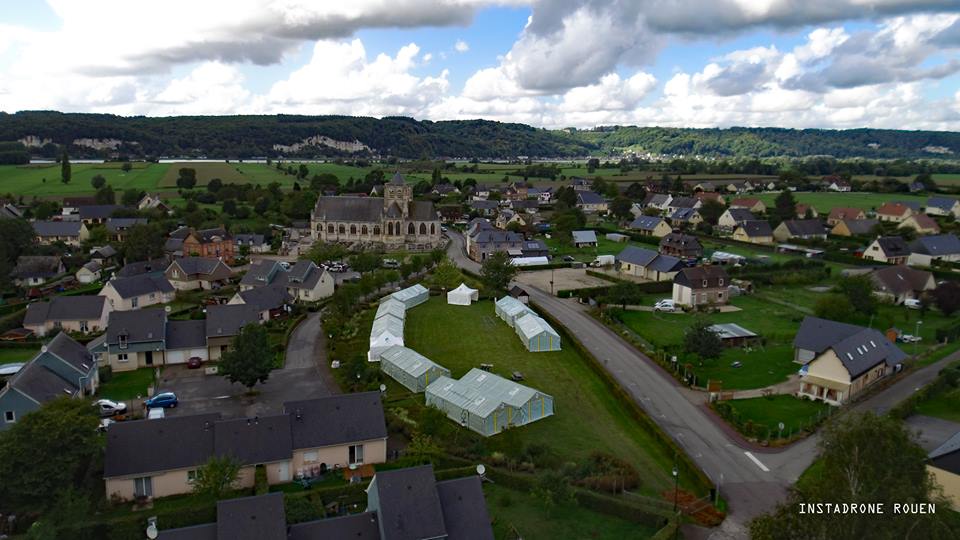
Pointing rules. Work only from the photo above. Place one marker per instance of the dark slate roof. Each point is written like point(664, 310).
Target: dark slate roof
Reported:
point(658, 199)
point(666, 263)
point(865, 349)
point(683, 214)
point(362, 526)
point(893, 246)
point(409, 504)
point(248, 239)
point(756, 228)
point(680, 241)
point(252, 518)
point(860, 226)
point(264, 298)
point(252, 441)
point(186, 334)
point(207, 531)
point(120, 224)
point(397, 179)
point(67, 349)
point(646, 223)
point(93, 266)
point(227, 320)
point(900, 279)
point(741, 214)
point(534, 245)
point(636, 255)
point(98, 211)
point(143, 446)
point(57, 228)
point(683, 202)
point(938, 245)
point(37, 266)
point(262, 273)
point(949, 446)
point(694, 277)
point(817, 335)
point(65, 308)
point(303, 274)
point(943, 203)
point(589, 197)
point(144, 267)
point(200, 265)
point(173, 245)
point(805, 227)
point(41, 383)
point(139, 325)
point(366, 209)
point(496, 236)
point(211, 235)
point(483, 205)
point(584, 237)
point(336, 419)
point(129, 287)
point(465, 509)
point(103, 252)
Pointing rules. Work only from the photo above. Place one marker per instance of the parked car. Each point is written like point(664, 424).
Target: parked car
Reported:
point(913, 303)
point(391, 263)
point(163, 400)
point(665, 305)
point(194, 362)
point(568, 258)
point(110, 408)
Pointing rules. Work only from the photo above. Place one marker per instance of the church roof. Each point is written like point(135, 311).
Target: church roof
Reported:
point(369, 209)
point(397, 179)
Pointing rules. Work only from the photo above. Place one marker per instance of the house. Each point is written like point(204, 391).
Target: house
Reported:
point(507, 217)
point(251, 243)
point(916, 187)
point(71, 233)
point(580, 184)
point(96, 214)
point(839, 184)
point(733, 335)
point(89, 272)
point(943, 206)
point(841, 360)
point(944, 464)
point(752, 204)
point(651, 226)
point(804, 229)
point(648, 264)
point(484, 207)
point(401, 504)
point(855, 227)
point(487, 241)
point(701, 286)
point(683, 217)
point(185, 340)
point(921, 224)
point(63, 367)
point(584, 239)
point(520, 294)
point(158, 458)
point(534, 248)
point(839, 213)
point(33, 270)
point(591, 202)
point(117, 227)
point(81, 314)
point(103, 254)
point(801, 211)
point(704, 196)
point(271, 301)
point(71, 205)
point(153, 202)
point(754, 232)
point(678, 203)
point(215, 243)
point(731, 218)
point(9, 211)
point(894, 212)
point(683, 246)
point(887, 249)
point(927, 249)
point(224, 322)
point(138, 268)
point(660, 201)
point(304, 281)
point(137, 291)
point(527, 206)
point(134, 339)
point(445, 189)
point(900, 282)
point(204, 273)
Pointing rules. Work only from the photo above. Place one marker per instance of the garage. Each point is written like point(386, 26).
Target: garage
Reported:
point(186, 339)
point(180, 356)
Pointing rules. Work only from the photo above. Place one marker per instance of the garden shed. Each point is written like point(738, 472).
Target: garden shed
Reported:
point(509, 309)
point(391, 306)
point(410, 368)
point(536, 334)
point(462, 295)
point(387, 331)
point(487, 403)
point(412, 296)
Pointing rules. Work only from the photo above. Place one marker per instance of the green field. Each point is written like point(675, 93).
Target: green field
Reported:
point(13, 355)
point(823, 201)
point(44, 180)
point(587, 416)
point(768, 412)
point(947, 179)
point(237, 173)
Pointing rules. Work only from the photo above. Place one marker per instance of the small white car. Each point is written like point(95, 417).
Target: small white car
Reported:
point(913, 303)
point(665, 305)
point(110, 408)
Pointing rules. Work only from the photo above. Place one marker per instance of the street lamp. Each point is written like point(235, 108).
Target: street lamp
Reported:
point(916, 337)
point(676, 487)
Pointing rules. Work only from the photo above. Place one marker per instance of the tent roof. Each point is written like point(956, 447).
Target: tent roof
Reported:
point(463, 289)
point(511, 306)
point(531, 325)
point(392, 306)
point(481, 393)
point(387, 324)
point(410, 292)
point(409, 360)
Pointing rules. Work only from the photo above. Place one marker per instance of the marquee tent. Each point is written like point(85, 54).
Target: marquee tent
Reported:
point(509, 309)
point(462, 295)
point(412, 296)
point(410, 368)
point(391, 306)
point(387, 331)
point(537, 334)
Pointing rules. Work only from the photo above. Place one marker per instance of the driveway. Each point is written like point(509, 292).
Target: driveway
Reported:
point(305, 375)
point(563, 279)
point(932, 432)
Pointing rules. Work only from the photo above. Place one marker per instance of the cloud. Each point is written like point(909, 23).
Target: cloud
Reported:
point(461, 46)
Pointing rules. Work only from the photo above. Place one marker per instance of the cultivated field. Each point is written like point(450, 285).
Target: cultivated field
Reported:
point(44, 180)
point(237, 173)
point(823, 201)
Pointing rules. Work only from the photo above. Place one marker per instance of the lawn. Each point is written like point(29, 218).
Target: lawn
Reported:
point(588, 417)
point(237, 173)
point(945, 405)
point(761, 365)
point(518, 514)
point(126, 385)
point(44, 180)
point(768, 412)
point(587, 254)
point(947, 179)
point(823, 201)
point(17, 354)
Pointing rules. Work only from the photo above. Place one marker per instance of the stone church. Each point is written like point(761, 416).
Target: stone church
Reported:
point(394, 220)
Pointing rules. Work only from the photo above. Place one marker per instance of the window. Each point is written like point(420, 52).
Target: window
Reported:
point(311, 457)
point(433, 228)
point(330, 228)
point(143, 487)
point(376, 230)
point(390, 229)
point(153, 296)
point(122, 341)
point(356, 454)
point(122, 357)
point(191, 476)
point(704, 283)
point(135, 302)
point(411, 229)
point(423, 228)
point(84, 326)
point(175, 273)
point(342, 229)
point(353, 229)
point(9, 417)
point(363, 230)
point(721, 282)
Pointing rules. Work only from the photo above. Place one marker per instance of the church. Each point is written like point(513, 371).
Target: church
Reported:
point(394, 220)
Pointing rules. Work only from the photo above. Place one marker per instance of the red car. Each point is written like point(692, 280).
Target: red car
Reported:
point(194, 362)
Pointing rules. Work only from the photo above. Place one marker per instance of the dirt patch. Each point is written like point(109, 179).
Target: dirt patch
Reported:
point(699, 509)
point(563, 279)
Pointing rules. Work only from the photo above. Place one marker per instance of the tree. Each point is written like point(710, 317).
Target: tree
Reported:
point(302, 171)
point(567, 195)
point(106, 195)
point(447, 275)
point(859, 291)
point(785, 206)
point(54, 446)
point(864, 459)
point(217, 477)
point(947, 297)
point(126, 167)
point(187, 178)
point(321, 252)
point(16, 238)
point(250, 359)
point(620, 207)
point(622, 294)
point(592, 165)
point(214, 185)
point(65, 171)
point(143, 241)
point(497, 271)
point(700, 340)
point(131, 197)
point(636, 191)
point(711, 210)
point(435, 177)
point(229, 207)
point(98, 181)
point(835, 307)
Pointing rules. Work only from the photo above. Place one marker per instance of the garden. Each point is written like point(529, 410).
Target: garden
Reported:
point(760, 417)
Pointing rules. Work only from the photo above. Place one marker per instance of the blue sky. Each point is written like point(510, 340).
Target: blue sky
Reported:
point(821, 63)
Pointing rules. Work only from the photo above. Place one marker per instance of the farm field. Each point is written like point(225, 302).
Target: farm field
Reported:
point(585, 408)
point(238, 173)
point(824, 201)
point(44, 180)
point(947, 179)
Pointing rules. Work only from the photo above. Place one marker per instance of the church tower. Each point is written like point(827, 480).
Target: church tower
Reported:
point(397, 191)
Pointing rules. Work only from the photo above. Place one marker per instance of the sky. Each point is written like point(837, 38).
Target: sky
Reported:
point(548, 63)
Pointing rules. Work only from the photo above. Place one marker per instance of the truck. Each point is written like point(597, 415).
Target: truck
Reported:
point(603, 260)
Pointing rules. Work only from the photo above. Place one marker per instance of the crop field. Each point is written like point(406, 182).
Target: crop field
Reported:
point(947, 179)
point(237, 173)
point(44, 180)
point(824, 201)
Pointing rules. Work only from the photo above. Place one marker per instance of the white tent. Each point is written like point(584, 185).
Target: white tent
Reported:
point(387, 331)
point(462, 295)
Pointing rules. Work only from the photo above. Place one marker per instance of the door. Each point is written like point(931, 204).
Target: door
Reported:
point(283, 472)
point(148, 358)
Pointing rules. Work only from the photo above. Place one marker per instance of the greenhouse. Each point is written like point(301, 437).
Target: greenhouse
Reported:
point(537, 334)
point(412, 296)
point(487, 403)
point(510, 309)
point(462, 295)
point(410, 368)
point(387, 331)
point(390, 306)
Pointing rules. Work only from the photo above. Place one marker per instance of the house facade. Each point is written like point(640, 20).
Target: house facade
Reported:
point(754, 232)
point(191, 273)
point(894, 212)
point(887, 249)
point(71, 233)
point(80, 314)
point(701, 286)
point(651, 226)
point(648, 264)
point(137, 292)
point(34, 270)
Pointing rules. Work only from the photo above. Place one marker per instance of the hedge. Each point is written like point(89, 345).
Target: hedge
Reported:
point(548, 266)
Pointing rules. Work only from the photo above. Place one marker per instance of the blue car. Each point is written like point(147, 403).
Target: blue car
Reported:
point(163, 399)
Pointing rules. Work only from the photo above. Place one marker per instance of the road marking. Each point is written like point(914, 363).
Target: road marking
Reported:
point(757, 461)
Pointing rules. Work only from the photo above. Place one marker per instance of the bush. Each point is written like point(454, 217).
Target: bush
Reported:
point(105, 373)
point(260, 486)
point(300, 509)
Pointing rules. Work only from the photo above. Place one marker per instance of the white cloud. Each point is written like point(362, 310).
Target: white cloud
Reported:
point(461, 46)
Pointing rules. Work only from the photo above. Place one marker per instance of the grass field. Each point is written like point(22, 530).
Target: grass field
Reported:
point(44, 180)
point(823, 201)
point(14, 355)
point(947, 179)
point(127, 384)
point(768, 412)
point(587, 416)
point(945, 405)
point(237, 173)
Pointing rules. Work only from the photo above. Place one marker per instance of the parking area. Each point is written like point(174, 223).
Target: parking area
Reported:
point(563, 278)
